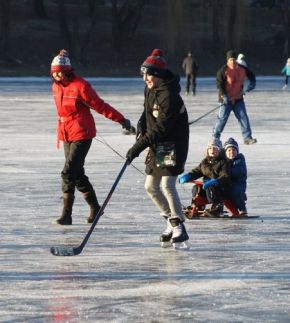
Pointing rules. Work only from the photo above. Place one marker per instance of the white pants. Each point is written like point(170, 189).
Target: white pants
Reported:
point(162, 191)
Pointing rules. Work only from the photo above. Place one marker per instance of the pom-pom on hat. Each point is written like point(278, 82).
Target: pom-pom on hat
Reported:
point(215, 143)
point(155, 64)
point(241, 60)
point(231, 54)
point(61, 63)
point(231, 143)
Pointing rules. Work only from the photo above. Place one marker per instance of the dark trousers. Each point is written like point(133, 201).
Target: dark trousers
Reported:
point(73, 173)
point(190, 79)
point(212, 194)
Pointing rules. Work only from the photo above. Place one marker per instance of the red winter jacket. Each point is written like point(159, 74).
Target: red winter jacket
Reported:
point(74, 103)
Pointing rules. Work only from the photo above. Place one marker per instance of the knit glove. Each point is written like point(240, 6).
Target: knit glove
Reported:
point(135, 150)
point(184, 178)
point(128, 129)
point(210, 183)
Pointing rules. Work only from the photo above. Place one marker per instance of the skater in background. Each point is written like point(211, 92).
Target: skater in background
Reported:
point(238, 174)
point(163, 128)
point(190, 68)
point(286, 71)
point(230, 79)
point(74, 98)
point(214, 169)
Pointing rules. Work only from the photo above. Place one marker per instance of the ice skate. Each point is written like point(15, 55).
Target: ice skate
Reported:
point(284, 87)
point(216, 211)
point(165, 237)
point(179, 237)
point(250, 141)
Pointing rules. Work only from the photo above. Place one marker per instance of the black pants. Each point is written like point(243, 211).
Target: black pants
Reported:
point(212, 194)
point(190, 79)
point(73, 173)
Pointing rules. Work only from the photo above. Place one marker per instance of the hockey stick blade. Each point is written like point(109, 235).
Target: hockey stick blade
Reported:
point(65, 251)
point(74, 251)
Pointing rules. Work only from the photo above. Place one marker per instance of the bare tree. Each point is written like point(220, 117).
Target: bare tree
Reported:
point(39, 10)
point(63, 26)
point(126, 16)
point(4, 27)
point(286, 23)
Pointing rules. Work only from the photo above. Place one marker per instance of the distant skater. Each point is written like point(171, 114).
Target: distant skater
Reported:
point(286, 71)
point(190, 67)
point(230, 81)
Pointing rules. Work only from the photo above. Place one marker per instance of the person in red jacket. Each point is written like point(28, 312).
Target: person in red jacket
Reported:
point(74, 99)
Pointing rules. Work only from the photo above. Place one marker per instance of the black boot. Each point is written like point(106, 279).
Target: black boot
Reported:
point(92, 200)
point(68, 201)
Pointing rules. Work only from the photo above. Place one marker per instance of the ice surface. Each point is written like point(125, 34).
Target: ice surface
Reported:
point(235, 271)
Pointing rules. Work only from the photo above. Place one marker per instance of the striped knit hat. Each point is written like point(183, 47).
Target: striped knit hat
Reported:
point(61, 63)
point(231, 143)
point(155, 64)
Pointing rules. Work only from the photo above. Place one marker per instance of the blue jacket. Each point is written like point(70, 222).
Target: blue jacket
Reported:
point(238, 174)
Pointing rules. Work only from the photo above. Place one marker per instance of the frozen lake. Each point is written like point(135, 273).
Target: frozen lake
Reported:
point(235, 270)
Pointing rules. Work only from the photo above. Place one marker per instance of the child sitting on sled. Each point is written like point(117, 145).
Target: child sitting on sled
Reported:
point(238, 174)
point(214, 169)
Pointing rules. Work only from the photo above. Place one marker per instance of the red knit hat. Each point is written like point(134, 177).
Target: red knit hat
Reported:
point(155, 64)
point(61, 63)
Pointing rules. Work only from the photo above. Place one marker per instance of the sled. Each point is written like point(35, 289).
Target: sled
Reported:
point(196, 209)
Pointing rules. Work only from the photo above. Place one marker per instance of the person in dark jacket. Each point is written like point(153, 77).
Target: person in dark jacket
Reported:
point(163, 129)
point(230, 79)
point(214, 170)
point(238, 173)
point(190, 68)
point(74, 99)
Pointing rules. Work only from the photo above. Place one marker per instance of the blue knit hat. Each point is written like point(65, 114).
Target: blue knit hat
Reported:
point(231, 143)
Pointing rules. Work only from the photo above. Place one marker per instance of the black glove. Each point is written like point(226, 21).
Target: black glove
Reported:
point(128, 129)
point(135, 150)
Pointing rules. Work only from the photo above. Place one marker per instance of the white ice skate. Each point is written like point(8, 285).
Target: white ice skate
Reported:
point(165, 238)
point(180, 237)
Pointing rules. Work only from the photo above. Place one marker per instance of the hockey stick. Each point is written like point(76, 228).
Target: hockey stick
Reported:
point(74, 251)
point(209, 112)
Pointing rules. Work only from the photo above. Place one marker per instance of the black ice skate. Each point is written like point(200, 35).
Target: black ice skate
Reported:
point(165, 238)
point(216, 211)
point(179, 237)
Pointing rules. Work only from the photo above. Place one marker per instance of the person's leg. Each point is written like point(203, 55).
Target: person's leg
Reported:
point(74, 175)
point(187, 84)
point(153, 189)
point(193, 84)
point(68, 189)
point(214, 195)
point(243, 119)
point(222, 118)
point(179, 234)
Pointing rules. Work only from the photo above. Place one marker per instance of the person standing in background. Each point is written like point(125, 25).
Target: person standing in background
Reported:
point(190, 68)
point(230, 82)
point(286, 71)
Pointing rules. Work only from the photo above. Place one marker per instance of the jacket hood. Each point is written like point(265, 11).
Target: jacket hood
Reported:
point(171, 82)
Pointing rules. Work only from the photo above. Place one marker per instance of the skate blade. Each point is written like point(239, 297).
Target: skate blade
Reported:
point(181, 245)
point(166, 244)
